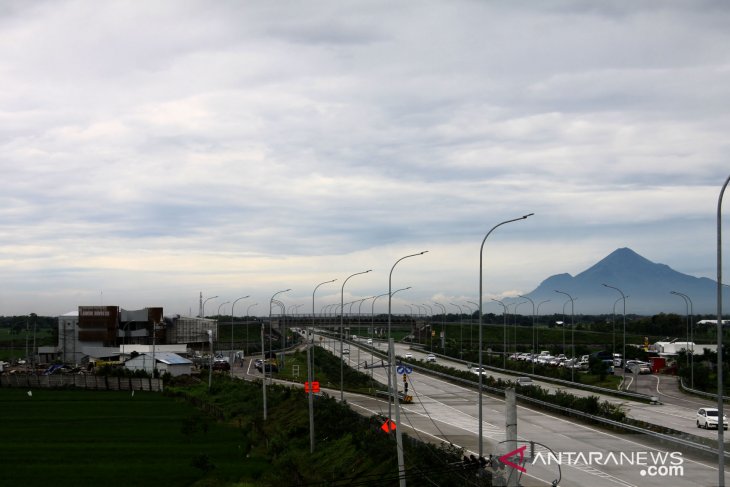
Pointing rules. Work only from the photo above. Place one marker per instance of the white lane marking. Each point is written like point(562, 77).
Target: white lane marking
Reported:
point(710, 466)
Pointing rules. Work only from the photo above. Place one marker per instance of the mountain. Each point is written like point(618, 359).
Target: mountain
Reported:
point(646, 284)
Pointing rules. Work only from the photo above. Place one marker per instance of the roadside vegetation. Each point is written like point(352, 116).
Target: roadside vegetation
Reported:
point(191, 436)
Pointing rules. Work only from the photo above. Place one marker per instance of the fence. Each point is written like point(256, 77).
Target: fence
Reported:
point(98, 382)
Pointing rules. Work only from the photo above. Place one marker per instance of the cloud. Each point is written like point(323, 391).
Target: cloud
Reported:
point(158, 150)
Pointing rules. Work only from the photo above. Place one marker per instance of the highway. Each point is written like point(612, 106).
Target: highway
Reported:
point(445, 411)
point(676, 411)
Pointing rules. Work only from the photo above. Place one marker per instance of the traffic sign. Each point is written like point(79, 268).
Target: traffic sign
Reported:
point(404, 369)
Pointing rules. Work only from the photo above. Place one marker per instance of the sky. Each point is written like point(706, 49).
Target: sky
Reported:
point(154, 151)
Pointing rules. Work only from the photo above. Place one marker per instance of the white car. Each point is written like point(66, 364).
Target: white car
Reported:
point(408, 355)
point(370, 341)
point(430, 357)
point(477, 370)
point(707, 418)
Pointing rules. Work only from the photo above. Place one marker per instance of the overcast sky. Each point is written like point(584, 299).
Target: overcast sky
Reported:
point(152, 151)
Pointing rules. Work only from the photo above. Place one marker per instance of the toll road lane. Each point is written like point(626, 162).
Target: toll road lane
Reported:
point(589, 456)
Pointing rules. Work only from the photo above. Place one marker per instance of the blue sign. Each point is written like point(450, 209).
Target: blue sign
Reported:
point(404, 369)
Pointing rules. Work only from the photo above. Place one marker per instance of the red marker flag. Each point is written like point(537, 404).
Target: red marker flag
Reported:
point(388, 426)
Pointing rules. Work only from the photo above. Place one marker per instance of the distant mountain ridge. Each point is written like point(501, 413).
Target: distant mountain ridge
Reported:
point(646, 284)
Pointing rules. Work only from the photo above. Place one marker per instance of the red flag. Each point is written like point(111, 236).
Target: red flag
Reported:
point(388, 426)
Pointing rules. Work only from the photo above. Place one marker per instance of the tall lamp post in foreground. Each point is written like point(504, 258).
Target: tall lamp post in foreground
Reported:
point(572, 331)
point(481, 381)
point(310, 369)
point(391, 370)
point(342, 337)
point(720, 383)
point(623, 297)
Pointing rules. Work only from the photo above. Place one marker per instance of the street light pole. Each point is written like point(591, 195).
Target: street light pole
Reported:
point(623, 297)
point(263, 351)
point(390, 319)
point(391, 355)
point(533, 328)
point(686, 304)
point(203, 307)
point(248, 315)
point(430, 322)
point(471, 338)
point(481, 381)
point(572, 331)
point(720, 383)
point(537, 335)
point(461, 331)
point(342, 337)
point(443, 326)
point(504, 333)
point(310, 369)
point(232, 307)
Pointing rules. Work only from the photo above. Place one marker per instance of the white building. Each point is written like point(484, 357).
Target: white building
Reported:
point(166, 362)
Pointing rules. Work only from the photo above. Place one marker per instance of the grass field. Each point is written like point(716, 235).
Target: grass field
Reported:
point(86, 438)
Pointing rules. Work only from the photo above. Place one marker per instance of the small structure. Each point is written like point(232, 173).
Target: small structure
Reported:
point(166, 362)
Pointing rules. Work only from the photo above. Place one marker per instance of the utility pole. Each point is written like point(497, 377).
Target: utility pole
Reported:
point(510, 416)
point(394, 393)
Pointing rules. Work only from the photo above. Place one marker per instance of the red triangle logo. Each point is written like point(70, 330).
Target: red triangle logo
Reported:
point(521, 451)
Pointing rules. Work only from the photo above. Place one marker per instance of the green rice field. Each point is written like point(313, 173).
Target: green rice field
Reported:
point(109, 438)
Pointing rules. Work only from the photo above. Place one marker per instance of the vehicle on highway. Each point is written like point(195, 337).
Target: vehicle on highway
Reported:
point(346, 351)
point(477, 370)
point(430, 357)
point(707, 418)
point(523, 381)
point(370, 341)
point(408, 355)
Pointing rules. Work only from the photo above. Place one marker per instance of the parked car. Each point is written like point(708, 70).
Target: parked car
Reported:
point(221, 365)
point(707, 418)
point(430, 357)
point(640, 367)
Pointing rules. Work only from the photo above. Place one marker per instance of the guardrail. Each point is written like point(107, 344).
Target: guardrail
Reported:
point(700, 393)
point(567, 383)
point(684, 442)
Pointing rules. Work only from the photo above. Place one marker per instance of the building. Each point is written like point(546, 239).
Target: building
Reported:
point(183, 329)
point(103, 332)
point(166, 362)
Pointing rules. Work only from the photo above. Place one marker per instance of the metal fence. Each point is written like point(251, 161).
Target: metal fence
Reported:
point(96, 382)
